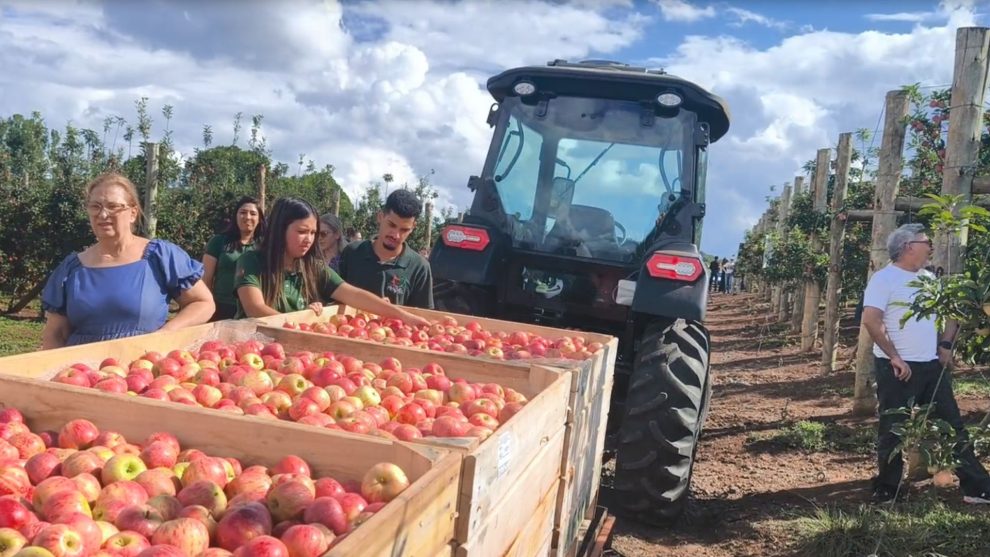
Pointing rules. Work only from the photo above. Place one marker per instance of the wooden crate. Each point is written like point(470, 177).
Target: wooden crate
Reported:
point(588, 407)
point(490, 468)
point(419, 522)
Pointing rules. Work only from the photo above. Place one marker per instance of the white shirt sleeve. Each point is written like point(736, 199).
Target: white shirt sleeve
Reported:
point(877, 294)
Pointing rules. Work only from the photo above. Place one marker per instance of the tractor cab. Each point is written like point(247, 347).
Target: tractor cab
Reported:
point(592, 166)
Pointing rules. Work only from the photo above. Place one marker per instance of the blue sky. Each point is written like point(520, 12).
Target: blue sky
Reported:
point(397, 86)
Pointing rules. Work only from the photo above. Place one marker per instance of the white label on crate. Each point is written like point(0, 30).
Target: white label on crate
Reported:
point(505, 443)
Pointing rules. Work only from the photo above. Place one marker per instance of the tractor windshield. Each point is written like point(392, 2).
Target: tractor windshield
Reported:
point(589, 177)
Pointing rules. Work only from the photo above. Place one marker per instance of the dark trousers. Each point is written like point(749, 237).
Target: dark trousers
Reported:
point(924, 386)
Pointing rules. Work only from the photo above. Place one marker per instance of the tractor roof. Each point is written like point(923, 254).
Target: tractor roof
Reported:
point(612, 80)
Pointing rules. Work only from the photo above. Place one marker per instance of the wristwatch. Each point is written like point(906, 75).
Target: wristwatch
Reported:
point(945, 344)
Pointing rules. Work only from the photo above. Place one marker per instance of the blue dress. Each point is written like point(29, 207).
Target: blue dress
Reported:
point(103, 303)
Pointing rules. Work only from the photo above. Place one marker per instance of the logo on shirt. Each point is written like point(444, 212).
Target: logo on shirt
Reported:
point(397, 285)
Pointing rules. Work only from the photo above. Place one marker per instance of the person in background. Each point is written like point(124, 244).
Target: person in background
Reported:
point(912, 364)
point(122, 285)
point(287, 272)
point(331, 240)
point(353, 235)
point(714, 267)
point(730, 271)
point(386, 266)
point(246, 226)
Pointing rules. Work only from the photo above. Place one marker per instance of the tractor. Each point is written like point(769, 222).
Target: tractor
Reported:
point(587, 215)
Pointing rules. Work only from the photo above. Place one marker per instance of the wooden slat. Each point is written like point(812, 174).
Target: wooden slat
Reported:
point(419, 522)
point(533, 540)
point(492, 469)
point(505, 524)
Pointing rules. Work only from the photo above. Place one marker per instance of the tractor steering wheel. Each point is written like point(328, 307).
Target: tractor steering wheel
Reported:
point(622, 229)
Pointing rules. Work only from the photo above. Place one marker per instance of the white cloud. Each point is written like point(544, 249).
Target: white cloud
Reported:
point(746, 16)
point(682, 11)
point(795, 97)
point(908, 17)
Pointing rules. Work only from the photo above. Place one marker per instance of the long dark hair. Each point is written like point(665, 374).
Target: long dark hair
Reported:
point(285, 211)
point(232, 234)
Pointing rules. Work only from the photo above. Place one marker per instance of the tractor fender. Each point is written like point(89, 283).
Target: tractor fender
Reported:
point(467, 253)
point(671, 298)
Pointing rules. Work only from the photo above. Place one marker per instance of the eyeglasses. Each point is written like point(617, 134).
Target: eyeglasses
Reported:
point(324, 233)
point(112, 209)
point(928, 241)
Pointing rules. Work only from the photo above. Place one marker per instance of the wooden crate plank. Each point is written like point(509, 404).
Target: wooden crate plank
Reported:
point(505, 522)
point(493, 468)
point(419, 522)
point(530, 542)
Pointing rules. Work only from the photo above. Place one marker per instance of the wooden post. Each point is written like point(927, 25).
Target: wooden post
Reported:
point(783, 211)
point(889, 167)
point(429, 226)
point(336, 202)
point(813, 290)
point(150, 189)
point(969, 85)
point(262, 173)
point(837, 234)
point(797, 291)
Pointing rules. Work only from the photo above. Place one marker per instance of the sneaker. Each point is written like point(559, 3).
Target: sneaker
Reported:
point(981, 498)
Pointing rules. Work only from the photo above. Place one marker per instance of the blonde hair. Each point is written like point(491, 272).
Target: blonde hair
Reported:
point(121, 181)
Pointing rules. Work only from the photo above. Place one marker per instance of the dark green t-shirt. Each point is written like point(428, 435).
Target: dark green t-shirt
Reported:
point(406, 280)
point(223, 277)
point(250, 268)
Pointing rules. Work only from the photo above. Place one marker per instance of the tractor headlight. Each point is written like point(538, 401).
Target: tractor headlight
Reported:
point(669, 100)
point(524, 88)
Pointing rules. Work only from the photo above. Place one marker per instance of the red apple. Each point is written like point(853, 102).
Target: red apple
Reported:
point(328, 512)
point(303, 540)
point(243, 523)
point(206, 494)
point(78, 434)
point(13, 514)
point(187, 534)
point(263, 546)
point(126, 544)
point(61, 541)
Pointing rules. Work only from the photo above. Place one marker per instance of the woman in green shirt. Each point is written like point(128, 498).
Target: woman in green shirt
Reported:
point(287, 272)
point(247, 224)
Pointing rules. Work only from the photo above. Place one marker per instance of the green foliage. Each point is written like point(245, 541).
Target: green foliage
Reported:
point(19, 335)
point(792, 259)
point(964, 297)
point(43, 172)
point(933, 438)
point(928, 527)
point(819, 437)
point(749, 260)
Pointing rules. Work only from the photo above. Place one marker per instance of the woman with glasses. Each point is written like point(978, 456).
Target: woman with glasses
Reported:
point(121, 285)
point(246, 226)
point(331, 240)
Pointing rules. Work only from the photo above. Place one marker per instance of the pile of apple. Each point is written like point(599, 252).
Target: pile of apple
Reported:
point(448, 336)
point(81, 492)
point(323, 389)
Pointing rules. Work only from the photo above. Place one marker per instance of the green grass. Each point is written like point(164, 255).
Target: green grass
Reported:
point(927, 527)
point(18, 336)
point(811, 436)
point(971, 386)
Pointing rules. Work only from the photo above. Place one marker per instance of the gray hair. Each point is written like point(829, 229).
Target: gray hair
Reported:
point(332, 221)
point(898, 240)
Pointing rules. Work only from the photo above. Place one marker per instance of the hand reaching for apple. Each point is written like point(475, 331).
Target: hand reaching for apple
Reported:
point(317, 308)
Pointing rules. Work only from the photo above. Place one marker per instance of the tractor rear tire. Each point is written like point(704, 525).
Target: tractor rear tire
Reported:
point(666, 406)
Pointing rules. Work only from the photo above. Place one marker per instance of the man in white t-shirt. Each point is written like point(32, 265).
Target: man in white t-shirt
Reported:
point(912, 362)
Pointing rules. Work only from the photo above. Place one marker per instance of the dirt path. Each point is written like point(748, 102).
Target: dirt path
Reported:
point(761, 383)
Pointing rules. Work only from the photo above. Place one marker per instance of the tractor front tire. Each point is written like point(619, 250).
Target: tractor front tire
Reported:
point(666, 406)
